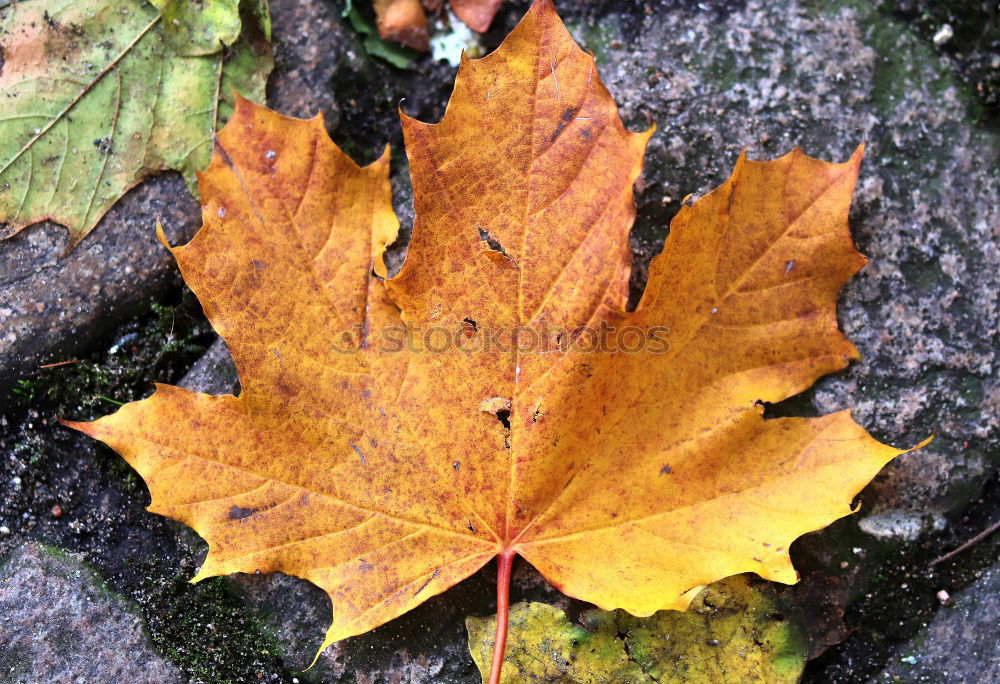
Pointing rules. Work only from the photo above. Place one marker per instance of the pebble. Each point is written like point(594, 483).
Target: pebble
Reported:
point(943, 35)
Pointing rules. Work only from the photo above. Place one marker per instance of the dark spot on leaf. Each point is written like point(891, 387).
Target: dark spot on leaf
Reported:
point(365, 565)
point(104, 145)
point(665, 470)
point(456, 465)
point(357, 451)
point(475, 326)
point(560, 127)
point(238, 513)
point(712, 642)
point(472, 527)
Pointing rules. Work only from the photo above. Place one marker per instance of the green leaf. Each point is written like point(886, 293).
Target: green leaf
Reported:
point(396, 55)
point(199, 27)
point(203, 27)
point(94, 100)
point(732, 632)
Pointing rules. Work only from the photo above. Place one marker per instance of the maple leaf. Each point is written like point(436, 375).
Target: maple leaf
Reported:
point(100, 94)
point(404, 21)
point(368, 456)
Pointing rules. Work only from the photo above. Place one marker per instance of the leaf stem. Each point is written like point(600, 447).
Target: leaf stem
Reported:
point(504, 562)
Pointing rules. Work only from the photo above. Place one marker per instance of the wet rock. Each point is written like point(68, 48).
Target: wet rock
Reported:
point(907, 526)
point(53, 304)
point(309, 42)
point(959, 645)
point(60, 624)
point(213, 373)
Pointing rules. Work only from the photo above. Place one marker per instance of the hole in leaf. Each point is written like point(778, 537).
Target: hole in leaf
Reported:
point(493, 243)
point(503, 415)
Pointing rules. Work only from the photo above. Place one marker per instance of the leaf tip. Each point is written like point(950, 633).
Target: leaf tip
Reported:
point(161, 236)
point(924, 442)
point(859, 152)
point(204, 572)
point(71, 424)
point(543, 6)
point(328, 639)
point(406, 119)
point(88, 428)
point(319, 121)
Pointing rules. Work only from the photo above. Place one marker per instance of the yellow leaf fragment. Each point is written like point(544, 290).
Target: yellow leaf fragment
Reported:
point(733, 633)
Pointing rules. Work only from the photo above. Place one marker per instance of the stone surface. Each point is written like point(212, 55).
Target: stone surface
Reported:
point(60, 624)
point(213, 373)
point(960, 645)
point(53, 304)
point(309, 42)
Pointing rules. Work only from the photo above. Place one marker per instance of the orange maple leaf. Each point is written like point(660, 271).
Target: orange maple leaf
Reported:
point(495, 398)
